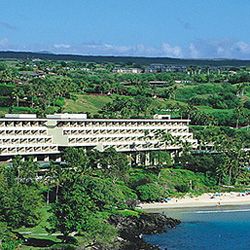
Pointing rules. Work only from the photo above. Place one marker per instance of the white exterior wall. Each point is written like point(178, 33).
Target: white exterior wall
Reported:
point(45, 136)
point(123, 134)
point(25, 137)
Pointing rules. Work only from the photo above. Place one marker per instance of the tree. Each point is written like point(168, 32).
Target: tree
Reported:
point(150, 192)
point(77, 160)
point(141, 104)
point(170, 92)
point(241, 87)
point(232, 152)
point(186, 147)
point(166, 138)
point(71, 211)
point(127, 107)
point(238, 114)
point(110, 162)
point(84, 205)
point(54, 177)
point(120, 107)
point(161, 159)
point(8, 240)
point(26, 171)
point(16, 208)
point(99, 232)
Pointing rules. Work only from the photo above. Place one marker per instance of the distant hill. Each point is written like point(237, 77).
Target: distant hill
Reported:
point(121, 59)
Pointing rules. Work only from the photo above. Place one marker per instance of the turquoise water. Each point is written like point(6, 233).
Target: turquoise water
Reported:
point(226, 228)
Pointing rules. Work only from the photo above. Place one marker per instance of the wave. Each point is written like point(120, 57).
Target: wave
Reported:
point(219, 211)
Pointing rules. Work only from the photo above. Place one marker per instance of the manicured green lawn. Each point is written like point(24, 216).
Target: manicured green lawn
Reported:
point(3, 111)
point(16, 110)
point(93, 103)
point(86, 103)
point(38, 234)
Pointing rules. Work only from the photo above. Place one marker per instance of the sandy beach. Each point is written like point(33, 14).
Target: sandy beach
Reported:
point(205, 200)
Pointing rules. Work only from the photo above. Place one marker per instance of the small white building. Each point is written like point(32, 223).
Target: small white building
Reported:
point(127, 70)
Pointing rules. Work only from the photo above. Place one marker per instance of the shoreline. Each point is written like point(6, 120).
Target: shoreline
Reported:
point(205, 200)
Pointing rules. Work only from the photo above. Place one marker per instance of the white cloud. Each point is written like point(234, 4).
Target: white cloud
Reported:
point(196, 49)
point(123, 50)
point(62, 46)
point(194, 52)
point(171, 51)
point(219, 49)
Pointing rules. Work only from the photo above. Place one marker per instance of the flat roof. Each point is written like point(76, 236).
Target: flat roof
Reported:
point(83, 117)
point(97, 120)
point(67, 116)
point(18, 116)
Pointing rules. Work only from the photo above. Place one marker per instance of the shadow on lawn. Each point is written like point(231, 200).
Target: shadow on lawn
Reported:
point(39, 242)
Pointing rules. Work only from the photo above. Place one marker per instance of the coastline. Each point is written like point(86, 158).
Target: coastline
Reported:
point(131, 229)
point(205, 200)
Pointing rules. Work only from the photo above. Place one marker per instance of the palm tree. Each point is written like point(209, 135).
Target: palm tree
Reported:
point(25, 170)
point(241, 87)
point(147, 137)
point(220, 174)
point(239, 113)
point(171, 91)
point(18, 93)
point(54, 177)
point(166, 138)
point(189, 111)
point(186, 147)
point(232, 152)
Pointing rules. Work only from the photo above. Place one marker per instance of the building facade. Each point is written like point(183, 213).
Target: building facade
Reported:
point(127, 70)
point(46, 139)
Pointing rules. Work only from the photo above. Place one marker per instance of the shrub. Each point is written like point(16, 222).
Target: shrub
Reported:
point(150, 192)
point(63, 247)
point(59, 102)
point(182, 188)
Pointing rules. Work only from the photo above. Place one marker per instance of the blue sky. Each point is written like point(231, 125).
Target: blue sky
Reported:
point(173, 28)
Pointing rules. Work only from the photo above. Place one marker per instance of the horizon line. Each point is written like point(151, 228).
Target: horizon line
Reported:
point(123, 56)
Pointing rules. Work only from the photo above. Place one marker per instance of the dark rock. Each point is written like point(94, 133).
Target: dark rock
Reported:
point(132, 228)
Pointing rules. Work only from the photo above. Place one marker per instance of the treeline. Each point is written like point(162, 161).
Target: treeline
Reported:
point(120, 59)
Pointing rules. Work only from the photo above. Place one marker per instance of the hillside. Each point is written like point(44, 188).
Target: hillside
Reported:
point(86, 103)
point(123, 60)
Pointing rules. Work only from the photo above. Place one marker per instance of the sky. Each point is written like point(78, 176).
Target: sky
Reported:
point(152, 28)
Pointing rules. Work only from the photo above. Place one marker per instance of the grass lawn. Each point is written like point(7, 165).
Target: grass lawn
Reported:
point(38, 236)
point(210, 110)
point(86, 103)
point(16, 110)
point(3, 111)
point(93, 103)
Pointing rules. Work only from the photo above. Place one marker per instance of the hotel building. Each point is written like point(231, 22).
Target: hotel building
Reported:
point(45, 139)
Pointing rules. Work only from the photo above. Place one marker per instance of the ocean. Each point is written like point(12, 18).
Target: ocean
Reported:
point(224, 228)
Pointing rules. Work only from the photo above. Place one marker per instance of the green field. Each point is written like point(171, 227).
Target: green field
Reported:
point(93, 103)
point(16, 110)
point(86, 103)
point(38, 234)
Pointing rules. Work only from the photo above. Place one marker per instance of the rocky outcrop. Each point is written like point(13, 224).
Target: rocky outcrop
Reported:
point(132, 228)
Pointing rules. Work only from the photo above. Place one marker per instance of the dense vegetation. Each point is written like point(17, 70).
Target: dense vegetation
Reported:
point(70, 204)
point(214, 98)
